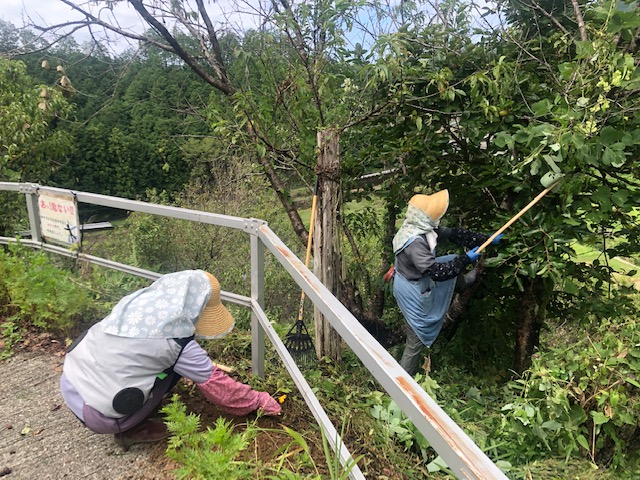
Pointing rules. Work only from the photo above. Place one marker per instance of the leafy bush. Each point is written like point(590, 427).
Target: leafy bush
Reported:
point(35, 293)
point(166, 245)
point(580, 399)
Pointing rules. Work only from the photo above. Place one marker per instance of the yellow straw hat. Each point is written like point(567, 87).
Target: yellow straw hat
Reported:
point(434, 205)
point(215, 321)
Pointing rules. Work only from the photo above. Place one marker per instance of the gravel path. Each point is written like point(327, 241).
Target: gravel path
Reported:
point(41, 439)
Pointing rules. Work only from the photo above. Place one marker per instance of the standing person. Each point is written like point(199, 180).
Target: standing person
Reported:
point(424, 284)
point(116, 373)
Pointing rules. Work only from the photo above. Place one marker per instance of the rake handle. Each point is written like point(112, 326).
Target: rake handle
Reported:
point(224, 368)
point(309, 240)
point(518, 215)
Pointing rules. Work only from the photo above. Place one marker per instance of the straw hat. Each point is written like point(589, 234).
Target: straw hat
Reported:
point(434, 205)
point(215, 321)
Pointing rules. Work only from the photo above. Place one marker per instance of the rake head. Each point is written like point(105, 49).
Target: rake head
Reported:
point(300, 345)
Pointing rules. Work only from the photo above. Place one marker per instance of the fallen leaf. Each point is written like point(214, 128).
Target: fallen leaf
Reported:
point(25, 430)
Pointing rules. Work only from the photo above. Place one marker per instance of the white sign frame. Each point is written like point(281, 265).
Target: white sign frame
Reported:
point(59, 220)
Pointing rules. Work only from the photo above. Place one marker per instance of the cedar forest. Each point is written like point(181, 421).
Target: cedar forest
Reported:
point(490, 101)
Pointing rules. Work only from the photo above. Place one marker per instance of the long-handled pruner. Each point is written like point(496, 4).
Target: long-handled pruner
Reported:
point(389, 275)
point(518, 215)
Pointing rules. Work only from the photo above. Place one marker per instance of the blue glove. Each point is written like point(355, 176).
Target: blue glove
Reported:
point(473, 254)
point(496, 240)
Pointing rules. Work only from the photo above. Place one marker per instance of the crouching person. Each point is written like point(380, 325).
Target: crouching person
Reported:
point(116, 374)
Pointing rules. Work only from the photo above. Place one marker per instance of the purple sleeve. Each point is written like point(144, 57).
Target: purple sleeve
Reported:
point(194, 363)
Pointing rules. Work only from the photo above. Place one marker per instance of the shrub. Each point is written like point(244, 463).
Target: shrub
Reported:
point(34, 293)
point(580, 399)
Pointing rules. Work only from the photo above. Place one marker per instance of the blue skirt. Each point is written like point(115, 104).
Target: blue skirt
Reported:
point(424, 303)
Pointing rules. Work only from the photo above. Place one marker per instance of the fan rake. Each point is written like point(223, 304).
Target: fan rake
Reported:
point(298, 341)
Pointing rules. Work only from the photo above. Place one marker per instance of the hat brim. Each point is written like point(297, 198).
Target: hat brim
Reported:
point(214, 322)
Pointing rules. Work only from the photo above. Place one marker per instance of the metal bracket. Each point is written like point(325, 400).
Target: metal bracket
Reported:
point(29, 188)
point(253, 224)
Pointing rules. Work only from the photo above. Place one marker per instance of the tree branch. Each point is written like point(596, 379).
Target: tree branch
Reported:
point(580, 20)
point(553, 19)
point(221, 85)
point(215, 44)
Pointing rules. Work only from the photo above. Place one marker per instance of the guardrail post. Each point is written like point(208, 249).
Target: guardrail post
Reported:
point(257, 295)
point(30, 192)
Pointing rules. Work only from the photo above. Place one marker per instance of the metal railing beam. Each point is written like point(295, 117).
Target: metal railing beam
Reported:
point(329, 431)
point(460, 453)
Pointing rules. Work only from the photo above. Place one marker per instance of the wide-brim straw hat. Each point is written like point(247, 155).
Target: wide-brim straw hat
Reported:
point(215, 321)
point(434, 205)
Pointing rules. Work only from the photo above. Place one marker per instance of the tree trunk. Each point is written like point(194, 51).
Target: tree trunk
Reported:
point(326, 237)
point(530, 321)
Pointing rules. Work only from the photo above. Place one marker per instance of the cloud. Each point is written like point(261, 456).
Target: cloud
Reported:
point(52, 12)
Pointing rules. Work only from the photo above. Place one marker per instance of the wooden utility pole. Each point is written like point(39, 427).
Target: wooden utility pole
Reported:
point(326, 237)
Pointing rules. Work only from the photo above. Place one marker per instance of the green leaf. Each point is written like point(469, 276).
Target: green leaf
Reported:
point(612, 157)
point(599, 418)
point(584, 49)
point(611, 135)
point(566, 70)
point(620, 197)
point(550, 178)
point(437, 465)
point(541, 108)
point(583, 442)
point(552, 425)
point(503, 140)
point(632, 382)
point(623, 20)
point(571, 288)
point(582, 102)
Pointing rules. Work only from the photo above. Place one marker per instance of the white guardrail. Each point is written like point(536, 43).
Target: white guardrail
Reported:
point(460, 453)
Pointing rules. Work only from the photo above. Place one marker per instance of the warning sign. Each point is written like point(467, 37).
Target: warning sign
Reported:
point(59, 217)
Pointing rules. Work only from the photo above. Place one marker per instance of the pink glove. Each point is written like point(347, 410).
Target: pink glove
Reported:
point(235, 397)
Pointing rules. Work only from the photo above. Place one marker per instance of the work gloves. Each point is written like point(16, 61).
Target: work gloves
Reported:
point(473, 253)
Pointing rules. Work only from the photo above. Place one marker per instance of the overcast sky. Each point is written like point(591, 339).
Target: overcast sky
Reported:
point(52, 12)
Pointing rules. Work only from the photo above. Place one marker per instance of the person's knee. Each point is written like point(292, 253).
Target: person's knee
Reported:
point(465, 280)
